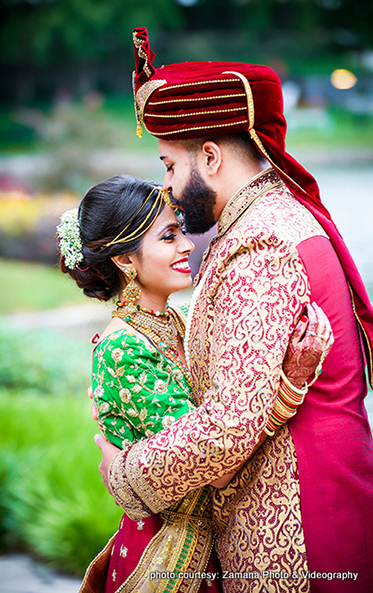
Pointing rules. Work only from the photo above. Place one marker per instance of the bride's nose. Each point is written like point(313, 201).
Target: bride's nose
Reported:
point(186, 245)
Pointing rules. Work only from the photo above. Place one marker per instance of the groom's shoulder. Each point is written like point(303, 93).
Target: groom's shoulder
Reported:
point(277, 214)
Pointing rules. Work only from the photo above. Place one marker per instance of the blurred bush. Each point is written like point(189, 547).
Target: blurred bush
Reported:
point(43, 361)
point(53, 503)
point(67, 135)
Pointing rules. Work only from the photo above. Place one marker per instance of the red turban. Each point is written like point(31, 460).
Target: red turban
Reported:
point(208, 99)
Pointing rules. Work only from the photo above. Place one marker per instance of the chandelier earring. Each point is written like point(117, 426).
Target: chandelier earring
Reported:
point(131, 293)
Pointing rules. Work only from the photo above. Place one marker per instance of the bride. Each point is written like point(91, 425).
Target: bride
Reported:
point(126, 241)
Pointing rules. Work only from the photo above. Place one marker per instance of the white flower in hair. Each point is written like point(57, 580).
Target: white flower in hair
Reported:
point(70, 242)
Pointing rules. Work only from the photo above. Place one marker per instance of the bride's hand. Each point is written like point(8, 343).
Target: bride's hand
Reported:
point(309, 344)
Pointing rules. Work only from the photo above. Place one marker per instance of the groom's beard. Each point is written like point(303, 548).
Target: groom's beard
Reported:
point(197, 200)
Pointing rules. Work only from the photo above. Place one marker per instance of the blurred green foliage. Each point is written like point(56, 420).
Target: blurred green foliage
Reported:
point(69, 30)
point(43, 362)
point(45, 32)
point(53, 502)
point(74, 126)
point(14, 135)
point(50, 48)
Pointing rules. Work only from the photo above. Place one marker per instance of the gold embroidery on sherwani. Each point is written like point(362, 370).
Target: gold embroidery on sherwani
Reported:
point(258, 524)
point(240, 202)
point(266, 181)
point(254, 292)
point(138, 485)
point(125, 496)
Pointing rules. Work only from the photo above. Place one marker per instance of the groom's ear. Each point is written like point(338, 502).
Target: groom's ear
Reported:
point(211, 157)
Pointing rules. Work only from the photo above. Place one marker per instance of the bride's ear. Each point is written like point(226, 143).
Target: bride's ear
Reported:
point(123, 261)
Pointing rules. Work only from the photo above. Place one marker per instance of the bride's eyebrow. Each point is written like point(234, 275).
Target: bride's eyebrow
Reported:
point(172, 224)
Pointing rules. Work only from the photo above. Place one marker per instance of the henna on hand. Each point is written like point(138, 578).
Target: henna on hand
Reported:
point(309, 344)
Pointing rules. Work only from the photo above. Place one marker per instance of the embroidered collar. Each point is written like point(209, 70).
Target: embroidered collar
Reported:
point(244, 198)
point(238, 204)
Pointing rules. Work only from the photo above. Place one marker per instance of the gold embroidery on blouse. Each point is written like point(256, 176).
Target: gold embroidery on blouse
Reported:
point(141, 384)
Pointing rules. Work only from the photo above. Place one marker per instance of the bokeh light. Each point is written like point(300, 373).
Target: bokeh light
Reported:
point(343, 79)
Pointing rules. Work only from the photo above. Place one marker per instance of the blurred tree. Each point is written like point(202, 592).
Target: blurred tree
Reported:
point(79, 45)
point(353, 18)
point(42, 32)
point(73, 46)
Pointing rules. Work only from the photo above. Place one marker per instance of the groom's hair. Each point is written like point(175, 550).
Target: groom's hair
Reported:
point(240, 143)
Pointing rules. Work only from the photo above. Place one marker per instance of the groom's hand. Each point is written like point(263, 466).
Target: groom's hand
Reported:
point(93, 407)
point(109, 451)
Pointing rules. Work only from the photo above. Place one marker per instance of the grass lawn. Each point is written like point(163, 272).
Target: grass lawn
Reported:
point(28, 286)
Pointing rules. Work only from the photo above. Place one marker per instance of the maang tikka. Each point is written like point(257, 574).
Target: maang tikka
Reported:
point(131, 293)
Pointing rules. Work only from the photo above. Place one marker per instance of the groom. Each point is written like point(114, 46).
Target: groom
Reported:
point(298, 515)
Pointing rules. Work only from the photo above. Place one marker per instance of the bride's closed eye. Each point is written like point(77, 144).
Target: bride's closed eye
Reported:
point(168, 237)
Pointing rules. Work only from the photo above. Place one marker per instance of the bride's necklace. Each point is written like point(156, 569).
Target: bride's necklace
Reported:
point(162, 328)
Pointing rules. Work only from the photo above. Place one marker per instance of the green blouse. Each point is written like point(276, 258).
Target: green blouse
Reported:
point(137, 390)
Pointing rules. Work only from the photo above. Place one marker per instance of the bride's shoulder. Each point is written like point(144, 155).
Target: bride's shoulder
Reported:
point(115, 325)
point(115, 331)
point(119, 334)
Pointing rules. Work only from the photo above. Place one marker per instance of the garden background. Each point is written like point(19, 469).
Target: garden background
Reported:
point(67, 121)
